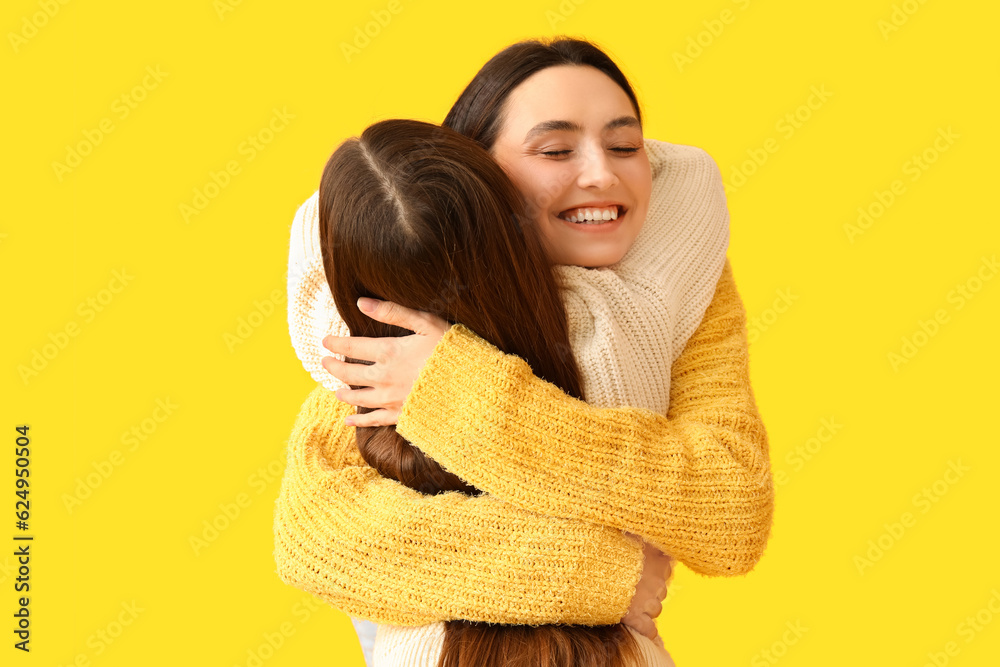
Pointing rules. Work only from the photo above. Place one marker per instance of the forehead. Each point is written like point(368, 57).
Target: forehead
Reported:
point(581, 94)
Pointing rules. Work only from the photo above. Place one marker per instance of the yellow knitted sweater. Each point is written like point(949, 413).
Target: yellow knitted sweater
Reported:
point(696, 483)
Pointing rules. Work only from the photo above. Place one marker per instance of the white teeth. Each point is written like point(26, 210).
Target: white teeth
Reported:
point(592, 215)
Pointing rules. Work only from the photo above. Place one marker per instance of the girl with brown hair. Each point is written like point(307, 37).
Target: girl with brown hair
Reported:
point(423, 216)
point(704, 473)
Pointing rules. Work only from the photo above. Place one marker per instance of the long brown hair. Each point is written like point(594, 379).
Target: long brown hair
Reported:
point(423, 216)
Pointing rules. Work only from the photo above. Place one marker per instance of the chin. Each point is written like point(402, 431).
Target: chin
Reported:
point(595, 260)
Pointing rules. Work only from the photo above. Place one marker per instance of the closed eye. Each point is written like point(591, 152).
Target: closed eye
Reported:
point(620, 150)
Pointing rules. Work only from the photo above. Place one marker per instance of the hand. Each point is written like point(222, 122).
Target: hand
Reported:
point(646, 603)
point(396, 361)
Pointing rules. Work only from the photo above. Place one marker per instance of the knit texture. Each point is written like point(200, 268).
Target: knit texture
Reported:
point(695, 483)
point(569, 459)
point(627, 322)
point(376, 549)
point(628, 325)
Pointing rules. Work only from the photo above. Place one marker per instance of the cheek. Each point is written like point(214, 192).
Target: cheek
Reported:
point(640, 179)
point(553, 238)
point(540, 183)
point(641, 185)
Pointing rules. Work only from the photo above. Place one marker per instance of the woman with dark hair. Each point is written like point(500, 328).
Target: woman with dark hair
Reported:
point(407, 212)
point(697, 487)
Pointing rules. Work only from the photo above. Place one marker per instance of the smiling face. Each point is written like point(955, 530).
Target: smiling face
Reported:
point(571, 142)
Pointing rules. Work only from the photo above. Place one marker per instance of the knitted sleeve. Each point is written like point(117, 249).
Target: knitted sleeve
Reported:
point(694, 252)
point(682, 245)
point(695, 483)
point(312, 314)
point(378, 550)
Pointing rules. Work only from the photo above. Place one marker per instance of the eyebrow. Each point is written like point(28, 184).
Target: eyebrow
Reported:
point(570, 126)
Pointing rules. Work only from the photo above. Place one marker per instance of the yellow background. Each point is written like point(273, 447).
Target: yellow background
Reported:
point(831, 305)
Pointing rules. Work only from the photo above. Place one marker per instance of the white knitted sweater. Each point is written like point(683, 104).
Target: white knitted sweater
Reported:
point(627, 322)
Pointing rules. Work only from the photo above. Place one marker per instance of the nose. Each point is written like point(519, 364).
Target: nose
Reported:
point(596, 171)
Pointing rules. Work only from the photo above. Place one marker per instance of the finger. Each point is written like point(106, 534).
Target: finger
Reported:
point(641, 624)
point(653, 608)
point(361, 398)
point(390, 312)
point(359, 375)
point(653, 583)
point(356, 347)
point(374, 418)
point(648, 628)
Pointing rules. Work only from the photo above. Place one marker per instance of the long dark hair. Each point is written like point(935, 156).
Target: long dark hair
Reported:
point(478, 112)
point(423, 216)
